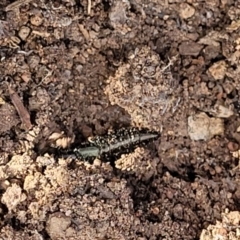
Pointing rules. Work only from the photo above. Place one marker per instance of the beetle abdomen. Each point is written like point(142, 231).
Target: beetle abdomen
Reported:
point(115, 143)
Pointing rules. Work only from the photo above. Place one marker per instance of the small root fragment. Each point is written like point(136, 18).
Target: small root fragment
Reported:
point(22, 111)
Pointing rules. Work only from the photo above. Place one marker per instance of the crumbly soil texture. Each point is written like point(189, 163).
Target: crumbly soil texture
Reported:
point(74, 69)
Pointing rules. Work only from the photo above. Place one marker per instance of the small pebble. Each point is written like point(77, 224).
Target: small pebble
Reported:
point(218, 169)
point(218, 69)
point(24, 32)
point(232, 146)
point(36, 20)
point(186, 11)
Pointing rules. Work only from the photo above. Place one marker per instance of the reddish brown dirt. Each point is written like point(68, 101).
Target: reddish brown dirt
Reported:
point(81, 68)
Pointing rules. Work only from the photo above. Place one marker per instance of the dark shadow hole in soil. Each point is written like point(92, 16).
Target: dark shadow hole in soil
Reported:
point(216, 59)
point(42, 170)
point(153, 218)
point(163, 53)
point(133, 9)
point(188, 176)
point(236, 105)
point(181, 79)
point(236, 203)
point(115, 56)
point(72, 165)
point(191, 175)
point(44, 234)
point(232, 94)
point(234, 67)
point(66, 42)
point(16, 224)
point(142, 193)
point(78, 3)
point(236, 163)
point(3, 208)
point(225, 20)
point(33, 115)
point(50, 29)
point(78, 8)
point(41, 41)
point(2, 15)
point(106, 5)
point(22, 44)
point(140, 197)
point(14, 137)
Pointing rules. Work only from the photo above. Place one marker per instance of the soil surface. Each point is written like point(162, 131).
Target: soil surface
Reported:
point(71, 69)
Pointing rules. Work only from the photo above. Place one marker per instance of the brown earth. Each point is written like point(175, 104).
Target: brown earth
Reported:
point(74, 69)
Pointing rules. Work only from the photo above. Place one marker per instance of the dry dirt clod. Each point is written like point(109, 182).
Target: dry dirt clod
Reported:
point(26, 77)
point(61, 140)
point(141, 85)
point(13, 196)
point(226, 229)
point(24, 32)
point(36, 20)
point(8, 117)
point(220, 111)
point(202, 127)
point(117, 15)
point(186, 10)
point(189, 48)
point(218, 70)
point(57, 224)
point(234, 26)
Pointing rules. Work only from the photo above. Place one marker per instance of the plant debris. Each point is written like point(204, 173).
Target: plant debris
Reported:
point(22, 111)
